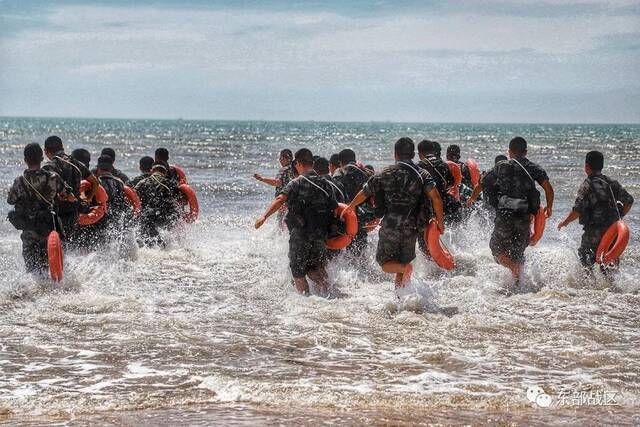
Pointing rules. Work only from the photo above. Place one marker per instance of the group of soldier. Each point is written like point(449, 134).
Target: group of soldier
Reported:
point(406, 196)
point(49, 197)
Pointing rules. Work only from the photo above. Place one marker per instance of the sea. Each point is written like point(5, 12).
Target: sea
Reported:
point(209, 330)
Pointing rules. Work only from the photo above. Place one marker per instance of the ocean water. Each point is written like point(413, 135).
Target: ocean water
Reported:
point(211, 331)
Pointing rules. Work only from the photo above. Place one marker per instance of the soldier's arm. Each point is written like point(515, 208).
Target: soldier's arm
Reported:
point(14, 194)
point(436, 202)
point(548, 193)
point(360, 198)
point(273, 208)
point(476, 192)
point(274, 182)
point(572, 216)
point(578, 206)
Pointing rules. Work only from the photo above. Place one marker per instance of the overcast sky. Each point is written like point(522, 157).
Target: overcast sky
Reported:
point(423, 61)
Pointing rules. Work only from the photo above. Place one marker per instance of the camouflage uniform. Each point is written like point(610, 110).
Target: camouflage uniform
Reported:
point(598, 210)
point(159, 196)
point(72, 172)
point(443, 179)
point(517, 199)
point(135, 181)
point(120, 213)
point(116, 173)
point(401, 190)
point(352, 179)
point(310, 202)
point(34, 211)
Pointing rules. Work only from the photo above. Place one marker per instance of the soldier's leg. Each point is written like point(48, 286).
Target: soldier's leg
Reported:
point(389, 254)
point(298, 256)
point(34, 252)
point(317, 261)
point(503, 239)
point(588, 247)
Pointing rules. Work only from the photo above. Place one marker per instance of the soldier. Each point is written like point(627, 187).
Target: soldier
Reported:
point(34, 195)
point(72, 173)
point(404, 191)
point(311, 201)
point(285, 174)
point(601, 201)
point(82, 155)
point(162, 155)
point(334, 164)
point(322, 167)
point(443, 179)
point(352, 178)
point(145, 164)
point(486, 184)
point(517, 199)
point(120, 213)
point(108, 151)
point(453, 154)
point(159, 195)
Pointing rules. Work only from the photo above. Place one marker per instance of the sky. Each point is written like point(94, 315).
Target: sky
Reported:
point(566, 61)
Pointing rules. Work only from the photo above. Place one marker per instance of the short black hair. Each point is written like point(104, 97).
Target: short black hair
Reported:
point(162, 154)
point(438, 148)
point(595, 160)
point(518, 145)
point(427, 147)
point(304, 156)
point(53, 144)
point(335, 160)
point(347, 155)
point(453, 152)
point(286, 153)
point(82, 155)
point(109, 152)
point(33, 154)
point(404, 148)
point(105, 162)
point(321, 166)
point(146, 163)
point(499, 158)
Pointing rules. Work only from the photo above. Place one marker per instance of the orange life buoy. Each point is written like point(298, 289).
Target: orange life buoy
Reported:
point(457, 178)
point(182, 177)
point(538, 222)
point(474, 171)
point(372, 225)
point(351, 220)
point(192, 200)
point(613, 243)
point(97, 212)
point(134, 200)
point(55, 256)
point(437, 250)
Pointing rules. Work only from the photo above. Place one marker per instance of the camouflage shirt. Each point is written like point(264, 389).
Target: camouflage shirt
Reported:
point(137, 179)
point(159, 196)
point(310, 201)
point(35, 191)
point(69, 169)
point(115, 190)
point(515, 181)
point(595, 202)
point(402, 190)
point(439, 171)
point(115, 172)
point(337, 188)
point(285, 175)
point(352, 180)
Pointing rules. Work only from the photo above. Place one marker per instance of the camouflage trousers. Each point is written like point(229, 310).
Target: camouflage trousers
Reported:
point(510, 236)
point(589, 245)
point(307, 252)
point(34, 251)
point(396, 244)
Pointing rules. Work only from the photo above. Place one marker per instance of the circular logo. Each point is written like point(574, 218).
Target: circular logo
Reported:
point(533, 392)
point(543, 400)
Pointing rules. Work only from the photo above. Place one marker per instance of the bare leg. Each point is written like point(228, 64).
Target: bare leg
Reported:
point(321, 278)
point(301, 285)
point(397, 268)
point(515, 267)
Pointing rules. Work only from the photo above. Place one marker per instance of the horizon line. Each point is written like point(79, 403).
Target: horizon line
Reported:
point(315, 121)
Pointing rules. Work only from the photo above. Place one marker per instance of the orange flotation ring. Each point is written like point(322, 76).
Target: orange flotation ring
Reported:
point(474, 171)
point(613, 243)
point(538, 222)
point(55, 256)
point(97, 212)
point(372, 225)
point(192, 200)
point(182, 177)
point(437, 250)
point(351, 220)
point(457, 177)
point(134, 200)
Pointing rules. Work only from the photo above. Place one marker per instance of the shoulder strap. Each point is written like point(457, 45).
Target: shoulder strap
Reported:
point(315, 185)
point(525, 171)
point(613, 197)
point(44, 199)
point(155, 178)
point(413, 169)
point(358, 169)
point(444, 180)
point(336, 187)
point(70, 163)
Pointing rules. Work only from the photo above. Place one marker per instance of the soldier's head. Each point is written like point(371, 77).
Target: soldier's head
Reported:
point(162, 155)
point(370, 169)
point(146, 163)
point(594, 162)
point(453, 153)
point(303, 160)
point(105, 164)
point(404, 149)
point(108, 151)
point(52, 146)
point(438, 148)
point(517, 147)
point(159, 167)
point(82, 155)
point(285, 157)
point(33, 155)
point(334, 163)
point(499, 158)
point(426, 147)
point(346, 156)
point(321, 166)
